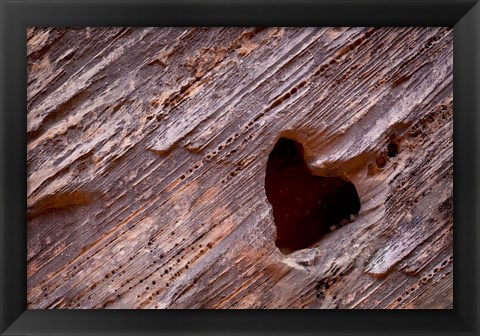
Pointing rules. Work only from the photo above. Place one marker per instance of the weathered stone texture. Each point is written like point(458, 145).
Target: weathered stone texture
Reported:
point(147, 152)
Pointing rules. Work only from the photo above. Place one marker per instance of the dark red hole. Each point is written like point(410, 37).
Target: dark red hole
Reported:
point(381, 161)
point(304, 206)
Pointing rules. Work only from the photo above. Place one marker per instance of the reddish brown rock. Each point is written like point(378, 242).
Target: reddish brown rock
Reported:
point(148, 151)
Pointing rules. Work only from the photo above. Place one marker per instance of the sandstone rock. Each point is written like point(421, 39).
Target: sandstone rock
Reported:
point(147, 155)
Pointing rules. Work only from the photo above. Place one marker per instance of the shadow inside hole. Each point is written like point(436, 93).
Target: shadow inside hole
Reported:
point(392, 150)
point(305, 206)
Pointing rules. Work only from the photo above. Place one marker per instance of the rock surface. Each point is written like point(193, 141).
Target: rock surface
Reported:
point(147, 153)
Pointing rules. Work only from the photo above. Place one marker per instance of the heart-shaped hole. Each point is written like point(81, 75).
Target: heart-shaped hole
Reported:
point(305, 206)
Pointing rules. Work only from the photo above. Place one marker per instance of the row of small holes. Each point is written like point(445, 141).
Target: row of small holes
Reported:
point(425, 278)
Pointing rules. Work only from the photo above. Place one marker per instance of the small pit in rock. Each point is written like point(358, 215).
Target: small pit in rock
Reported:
point(392, 149)
point(305, 206)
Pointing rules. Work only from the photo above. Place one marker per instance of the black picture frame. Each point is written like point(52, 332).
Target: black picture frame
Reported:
point(16, 15)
